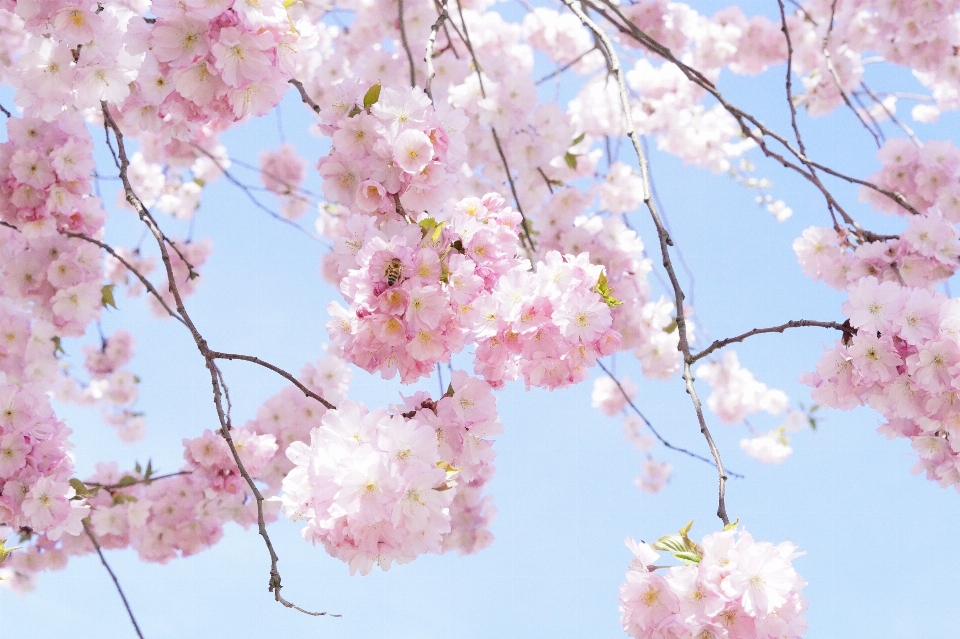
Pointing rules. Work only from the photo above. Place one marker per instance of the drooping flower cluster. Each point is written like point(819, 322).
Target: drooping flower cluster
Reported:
point(903, 361)
point(376, 487)
point(161, 516)
point(731, 586)
point(35, 467)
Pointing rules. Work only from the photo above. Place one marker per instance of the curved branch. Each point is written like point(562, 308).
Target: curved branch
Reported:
point(276, 369)
point(845, 328)
point(653, 430)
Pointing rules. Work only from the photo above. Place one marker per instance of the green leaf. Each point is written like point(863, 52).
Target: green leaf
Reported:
point(603, 289)
point(127, 480)
point(671, 543)
point(57, 346)
point(577, 140)
point(571, 160)
point(354, 111)
point(106, 296)
point(137, 468)
point(6, 551)
point(689, 557)
point(686, 529)
point(671, 327)
point(81, 488)
point(371, 96)
point(731, 526)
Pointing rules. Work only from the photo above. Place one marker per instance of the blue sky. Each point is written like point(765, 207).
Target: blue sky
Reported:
point(879, 560)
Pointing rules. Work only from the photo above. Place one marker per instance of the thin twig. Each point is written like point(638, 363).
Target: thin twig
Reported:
point(406, 45)
point(3, 110)
point(893, 118)
point(253, 198)
point(653, 430)
point(560, 70)
point(293, 380)
point(665, 243)
point(143, 280)
point(720, 343)
point(431, 44)
point(116, 582)
point(145, 480)
point(303, 95)
point(825, 48)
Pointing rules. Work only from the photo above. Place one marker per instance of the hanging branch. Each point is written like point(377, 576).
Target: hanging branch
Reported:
point(465, 37)
point(665, 243)
point(250, 196)
point(116, 582)
point(3, 110)
point(431, 45)
point(406, 45)
point(653, 430)
point(205, 352)
point(836, 77)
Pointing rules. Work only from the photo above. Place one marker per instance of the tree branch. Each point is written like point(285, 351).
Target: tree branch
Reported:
point(665, 243)
point(303, 95)
point(720, 343)
point(406, 45)
point(116, 582)
point(205, 352)
point(653, 430)
point(279, 371)
point(431, 45)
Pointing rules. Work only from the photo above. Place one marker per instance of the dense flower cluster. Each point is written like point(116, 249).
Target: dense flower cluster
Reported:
point(731, 586)
point(377, 487)
point(34, 466)
point(161, 516)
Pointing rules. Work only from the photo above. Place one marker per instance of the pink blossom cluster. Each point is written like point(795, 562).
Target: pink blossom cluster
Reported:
point(392, 150)
point(46, 169)
point(567, 227)
point(730, 586)
point(164, 516)
point(549, 326)
point(35, 466)
point(903, 361)
point(927, 178)
point(78, 53)
point(207, 61)
point(413, 288)
point(926, 253)
point(282, 172)
point(377, 487)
